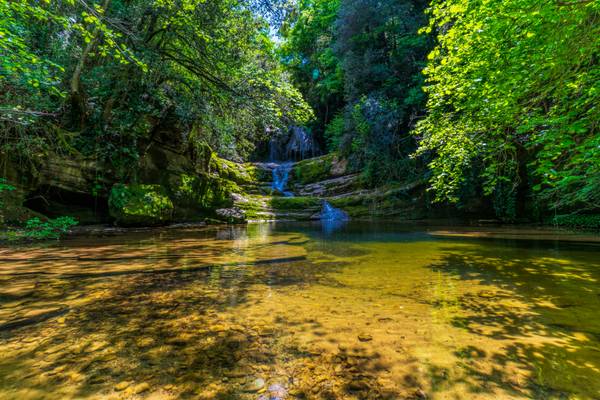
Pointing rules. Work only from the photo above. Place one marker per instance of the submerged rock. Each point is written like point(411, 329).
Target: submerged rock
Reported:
point(364, 337)
point(141, 388)
point(254, 386)
point(122, 386)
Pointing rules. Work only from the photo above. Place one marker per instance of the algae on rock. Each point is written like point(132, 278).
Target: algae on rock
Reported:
point(313, 169)
point(140, 205)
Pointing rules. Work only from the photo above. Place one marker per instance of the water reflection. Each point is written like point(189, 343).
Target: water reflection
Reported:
point(287, 312)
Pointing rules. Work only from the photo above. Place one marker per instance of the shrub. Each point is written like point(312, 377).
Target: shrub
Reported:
point(37, 229)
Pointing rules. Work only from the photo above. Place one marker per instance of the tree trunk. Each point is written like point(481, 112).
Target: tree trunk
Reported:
point(77, 96)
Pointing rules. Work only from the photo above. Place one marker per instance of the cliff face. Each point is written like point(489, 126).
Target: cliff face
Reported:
point(194, 181)
point(183, 185)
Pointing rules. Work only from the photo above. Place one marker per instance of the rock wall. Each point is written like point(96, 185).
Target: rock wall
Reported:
point(182, 185)
point(195, 181)
point(327, 178)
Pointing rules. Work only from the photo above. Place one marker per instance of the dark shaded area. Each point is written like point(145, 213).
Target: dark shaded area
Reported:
point(36, 319)
point(55, 202)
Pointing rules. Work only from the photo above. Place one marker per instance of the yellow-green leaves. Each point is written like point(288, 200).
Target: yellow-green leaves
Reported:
point(514, 83)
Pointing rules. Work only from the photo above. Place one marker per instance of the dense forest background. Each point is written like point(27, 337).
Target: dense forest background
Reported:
point(482, 99)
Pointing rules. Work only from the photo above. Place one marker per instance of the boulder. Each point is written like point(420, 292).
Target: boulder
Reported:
point(140, 205)
point(231, 215)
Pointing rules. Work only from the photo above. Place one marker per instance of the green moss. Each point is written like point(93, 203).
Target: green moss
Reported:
point(252, 205)
point(242, 174)
point(263, 174)
point(294, 203)
point(202, 192)
point(140, 205)
point(313, 169)
point(387, 201)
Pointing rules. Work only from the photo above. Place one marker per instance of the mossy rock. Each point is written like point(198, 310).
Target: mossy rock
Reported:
point(140, 205)
point(202, 191)
point(295, 203)
point(390, 201)
point(242, 174)
point(313, 169)
point(233, 215)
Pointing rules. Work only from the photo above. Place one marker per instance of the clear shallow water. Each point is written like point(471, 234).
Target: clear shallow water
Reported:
point(360, 311)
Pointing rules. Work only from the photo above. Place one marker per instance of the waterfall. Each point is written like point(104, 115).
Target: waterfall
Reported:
point(330, 213)
point(281, 174)
point(332, 219)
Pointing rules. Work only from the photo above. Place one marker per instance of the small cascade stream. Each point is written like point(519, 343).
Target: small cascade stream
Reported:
point(330, 213)
point(332, 219)
point(281, 174)
point(297, 144)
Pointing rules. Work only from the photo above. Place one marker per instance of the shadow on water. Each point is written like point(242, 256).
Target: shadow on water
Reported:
point(542, 312)
point(245, 314)
point(164, 332)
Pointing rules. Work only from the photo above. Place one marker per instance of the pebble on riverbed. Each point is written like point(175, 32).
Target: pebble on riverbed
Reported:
point(255, 385)
point(364, 337)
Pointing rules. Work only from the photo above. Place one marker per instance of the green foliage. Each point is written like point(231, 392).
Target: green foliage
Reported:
point(5, 187)
point(334, 132)
point(308, 52)
point(36, 229)
point(106, 77)
point(588, 221)
point(144, 205)
point(30, 73)
point(514, 87)
point(358, 63)
point(382, 56)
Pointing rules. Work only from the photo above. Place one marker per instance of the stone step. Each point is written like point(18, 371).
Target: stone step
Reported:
point(329, 187)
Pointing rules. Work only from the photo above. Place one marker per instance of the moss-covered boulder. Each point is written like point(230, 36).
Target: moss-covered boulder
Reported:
point(318, 169)
point(196, 195)
point(312, 170)
point(140, 205)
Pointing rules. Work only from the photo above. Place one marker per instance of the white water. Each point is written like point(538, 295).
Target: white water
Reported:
point(281, 174)
point(330, 213)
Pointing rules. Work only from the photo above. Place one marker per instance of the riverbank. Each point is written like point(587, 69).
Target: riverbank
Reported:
point(172, 190)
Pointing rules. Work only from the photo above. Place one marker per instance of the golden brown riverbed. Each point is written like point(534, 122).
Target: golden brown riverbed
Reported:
point(301, 312)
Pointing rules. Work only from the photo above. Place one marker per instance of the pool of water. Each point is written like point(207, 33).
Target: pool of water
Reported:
point(293, 311)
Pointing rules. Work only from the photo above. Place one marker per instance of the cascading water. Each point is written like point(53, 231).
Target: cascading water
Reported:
point(330, 213)
point(297, 144)
point(332, 218)
point(287, 146)
point(281, 173)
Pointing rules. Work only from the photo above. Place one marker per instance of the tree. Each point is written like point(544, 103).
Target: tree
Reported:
point(513, 90)
point(103, 78)
point(382, 56)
